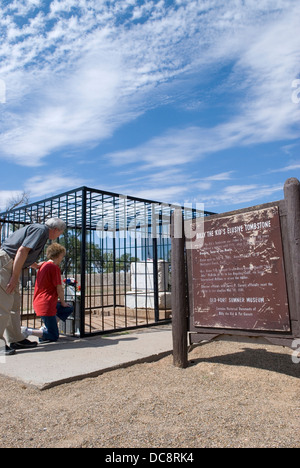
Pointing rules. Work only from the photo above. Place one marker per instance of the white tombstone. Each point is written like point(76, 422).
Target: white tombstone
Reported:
point(141, 295)
point(142, 276)
point(145, 300)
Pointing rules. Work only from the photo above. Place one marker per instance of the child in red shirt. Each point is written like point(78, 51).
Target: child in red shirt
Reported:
point(48, 289)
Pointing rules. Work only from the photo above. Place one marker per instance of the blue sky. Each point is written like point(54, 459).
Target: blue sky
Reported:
point(178, 101)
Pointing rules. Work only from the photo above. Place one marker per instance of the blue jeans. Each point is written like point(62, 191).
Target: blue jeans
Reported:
point(51, 332)
point(63, 312)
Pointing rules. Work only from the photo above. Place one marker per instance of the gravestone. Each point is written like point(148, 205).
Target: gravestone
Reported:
point(142, 291)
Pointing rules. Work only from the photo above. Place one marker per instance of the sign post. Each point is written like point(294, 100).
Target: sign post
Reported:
point(292, 197)
point(179, 292)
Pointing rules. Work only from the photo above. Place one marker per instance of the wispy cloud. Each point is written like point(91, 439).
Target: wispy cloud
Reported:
point(172, 185)
point(289, 168)
point(222, 176)
point(41, 186)
point(77, 70)
point(242, 194)
point(50, 184)
point(6, 196)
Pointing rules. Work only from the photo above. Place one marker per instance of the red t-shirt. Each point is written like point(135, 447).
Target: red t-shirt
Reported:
point(45, 292)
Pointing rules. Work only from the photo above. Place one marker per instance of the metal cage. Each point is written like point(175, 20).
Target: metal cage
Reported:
point(117, 268)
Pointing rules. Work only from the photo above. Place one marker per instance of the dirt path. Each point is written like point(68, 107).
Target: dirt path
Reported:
point(232, 395)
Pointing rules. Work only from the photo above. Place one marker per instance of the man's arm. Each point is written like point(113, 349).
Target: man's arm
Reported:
point(19, 261)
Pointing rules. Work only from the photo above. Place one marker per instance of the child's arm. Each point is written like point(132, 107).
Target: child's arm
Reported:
point(61, 296)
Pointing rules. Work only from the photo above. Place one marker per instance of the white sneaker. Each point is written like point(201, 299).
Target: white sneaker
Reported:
point(24, 332)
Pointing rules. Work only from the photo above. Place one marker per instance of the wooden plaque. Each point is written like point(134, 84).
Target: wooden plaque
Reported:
point(238, 278)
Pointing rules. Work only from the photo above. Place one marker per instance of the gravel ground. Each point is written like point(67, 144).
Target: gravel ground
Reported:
point(231, 395)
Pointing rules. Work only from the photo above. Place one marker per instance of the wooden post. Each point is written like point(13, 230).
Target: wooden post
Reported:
point(292, 198)
point(179, 295)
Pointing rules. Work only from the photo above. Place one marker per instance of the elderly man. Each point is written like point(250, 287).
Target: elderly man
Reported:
point(21, 250)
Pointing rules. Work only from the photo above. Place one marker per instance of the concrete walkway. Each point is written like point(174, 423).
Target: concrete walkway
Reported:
point(76, 358)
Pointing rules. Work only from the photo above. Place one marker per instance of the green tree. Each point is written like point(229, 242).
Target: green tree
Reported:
point(71, 264)
point(125, 261)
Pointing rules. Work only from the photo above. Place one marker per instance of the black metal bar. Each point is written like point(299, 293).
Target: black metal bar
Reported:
point(83, 264)
point(87, 189)
point(82, 209)
point(114, 278)
point(155, 280)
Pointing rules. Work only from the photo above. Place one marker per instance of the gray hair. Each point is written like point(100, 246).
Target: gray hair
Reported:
point(56, 223)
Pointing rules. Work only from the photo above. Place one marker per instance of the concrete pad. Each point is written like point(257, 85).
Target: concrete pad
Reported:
point(72, 359)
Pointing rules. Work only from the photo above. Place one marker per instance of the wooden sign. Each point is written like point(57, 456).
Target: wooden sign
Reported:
point(238, 278)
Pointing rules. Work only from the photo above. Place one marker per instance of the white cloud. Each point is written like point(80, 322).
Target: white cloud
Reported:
point(243, 195)
point(290, 167)
point(23, 7)
point(174, 148)
point(6, 196)
point(221, 176)
point(213, 197)
point(178, 147)
point(51, 184)
point(40, 186)
point(171, 194)
point(77, 72)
